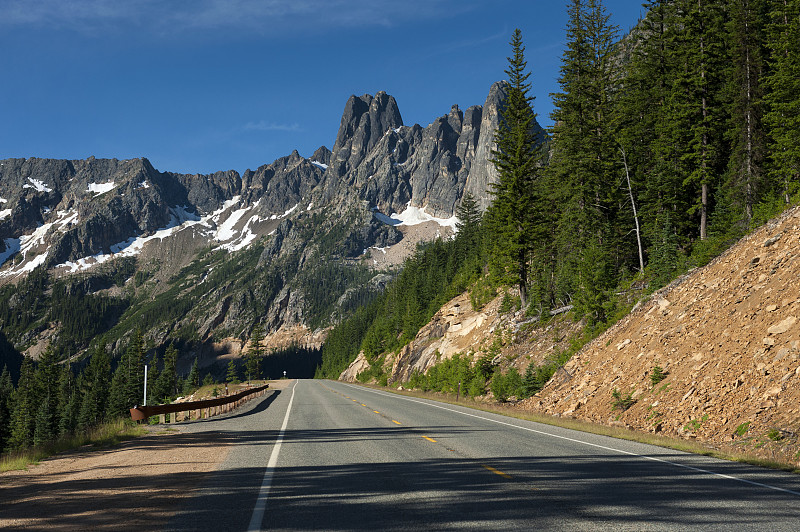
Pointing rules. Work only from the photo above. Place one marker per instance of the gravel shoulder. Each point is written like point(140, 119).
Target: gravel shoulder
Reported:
point(137, 485)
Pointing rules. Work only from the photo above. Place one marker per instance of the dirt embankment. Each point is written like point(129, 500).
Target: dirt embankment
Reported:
point(727, 336)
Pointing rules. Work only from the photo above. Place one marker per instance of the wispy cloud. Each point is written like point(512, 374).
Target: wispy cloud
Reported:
point(503, 35)
point(263, 125)
point(264, 16)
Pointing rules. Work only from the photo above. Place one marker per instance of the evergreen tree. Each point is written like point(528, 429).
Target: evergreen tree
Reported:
point(468, 224)
point(232, 375)
point(254, 354)
point(514, 215)
point(95, 388)
point(117, 404)
point(584, 171)
point(193, 380)
point(6, 394)
point(69, 401)
point(152, 379)
point(134, 372)
point(128, 382)
point(25, 405)
point(166, 385)
point(47, 412)
point(746, 133)
point(783, 96)
point(699, 90)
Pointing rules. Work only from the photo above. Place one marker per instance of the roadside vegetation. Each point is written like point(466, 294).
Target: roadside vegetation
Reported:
point(669, 145)
point(99, 437)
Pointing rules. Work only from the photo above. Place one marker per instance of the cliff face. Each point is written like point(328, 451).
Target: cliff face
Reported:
point(60, 213)
point(393, 166)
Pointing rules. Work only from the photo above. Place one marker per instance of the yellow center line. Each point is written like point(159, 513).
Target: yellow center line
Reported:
point(376, 411)
point(397, 422)
point(429, 439)
point(362, 404)
point(496, 472)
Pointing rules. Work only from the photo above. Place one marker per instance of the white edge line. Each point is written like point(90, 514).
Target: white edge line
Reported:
point(653, 458)
point(263, 494)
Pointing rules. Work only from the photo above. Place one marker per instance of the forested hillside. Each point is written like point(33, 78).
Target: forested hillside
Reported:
point(668, 145)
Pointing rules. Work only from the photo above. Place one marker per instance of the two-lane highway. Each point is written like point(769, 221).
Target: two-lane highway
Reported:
point(332, 456)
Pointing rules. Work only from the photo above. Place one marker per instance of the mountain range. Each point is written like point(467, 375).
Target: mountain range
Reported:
point(201, 259)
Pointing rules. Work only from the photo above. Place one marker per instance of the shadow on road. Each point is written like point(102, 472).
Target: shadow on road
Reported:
point(543, 492)
point(246, 410)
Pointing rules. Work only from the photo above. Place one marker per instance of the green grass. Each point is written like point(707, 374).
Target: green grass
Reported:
point(106, 435)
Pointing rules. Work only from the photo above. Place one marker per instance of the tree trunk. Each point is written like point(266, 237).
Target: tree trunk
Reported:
point(635, 215)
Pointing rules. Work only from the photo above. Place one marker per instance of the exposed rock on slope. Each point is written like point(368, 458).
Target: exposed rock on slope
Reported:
point(728, 337)
point(513, 340)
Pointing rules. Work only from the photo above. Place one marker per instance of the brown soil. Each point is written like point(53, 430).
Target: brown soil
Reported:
point(728, 337)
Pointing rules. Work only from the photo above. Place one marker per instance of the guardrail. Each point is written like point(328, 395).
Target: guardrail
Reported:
point(197, 409)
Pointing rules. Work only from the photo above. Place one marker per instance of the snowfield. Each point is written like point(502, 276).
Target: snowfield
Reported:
point(415, 216)
point(37, 185)
point(101, 188)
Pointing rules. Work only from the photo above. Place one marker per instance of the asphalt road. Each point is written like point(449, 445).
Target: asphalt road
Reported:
point(324, 455)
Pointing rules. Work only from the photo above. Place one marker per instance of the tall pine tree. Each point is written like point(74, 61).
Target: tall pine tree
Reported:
point(744, 186)
point(584, 170)
point(512, 215)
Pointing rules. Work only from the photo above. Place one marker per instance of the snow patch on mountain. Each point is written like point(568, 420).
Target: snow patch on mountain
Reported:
point(28, 245)
point(414, 216)
point(219, 226)
point(180, 218)
point(37, 185)
point(101, 188)
point(12, 246)
point(5, 213)
point(246, 235)
point(284, 215)
point(225, 231)
point(3, 200)
point(318, 164)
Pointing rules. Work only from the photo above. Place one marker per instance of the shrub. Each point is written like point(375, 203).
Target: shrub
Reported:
point(620, 402)
point(742, 429)
point(499, 386)
point(657, 375)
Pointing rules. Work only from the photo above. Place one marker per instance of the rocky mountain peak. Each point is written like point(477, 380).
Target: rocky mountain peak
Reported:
point(364, 122)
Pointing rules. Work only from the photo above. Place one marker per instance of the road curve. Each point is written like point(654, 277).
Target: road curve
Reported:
point(324, 455)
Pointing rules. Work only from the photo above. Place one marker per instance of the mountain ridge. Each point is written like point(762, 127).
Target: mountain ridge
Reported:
point(300, 214)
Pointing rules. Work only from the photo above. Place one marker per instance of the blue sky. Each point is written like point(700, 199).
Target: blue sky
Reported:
point(207, 85)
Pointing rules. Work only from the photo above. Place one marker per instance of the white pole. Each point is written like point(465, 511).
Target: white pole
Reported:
point(144, 403)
